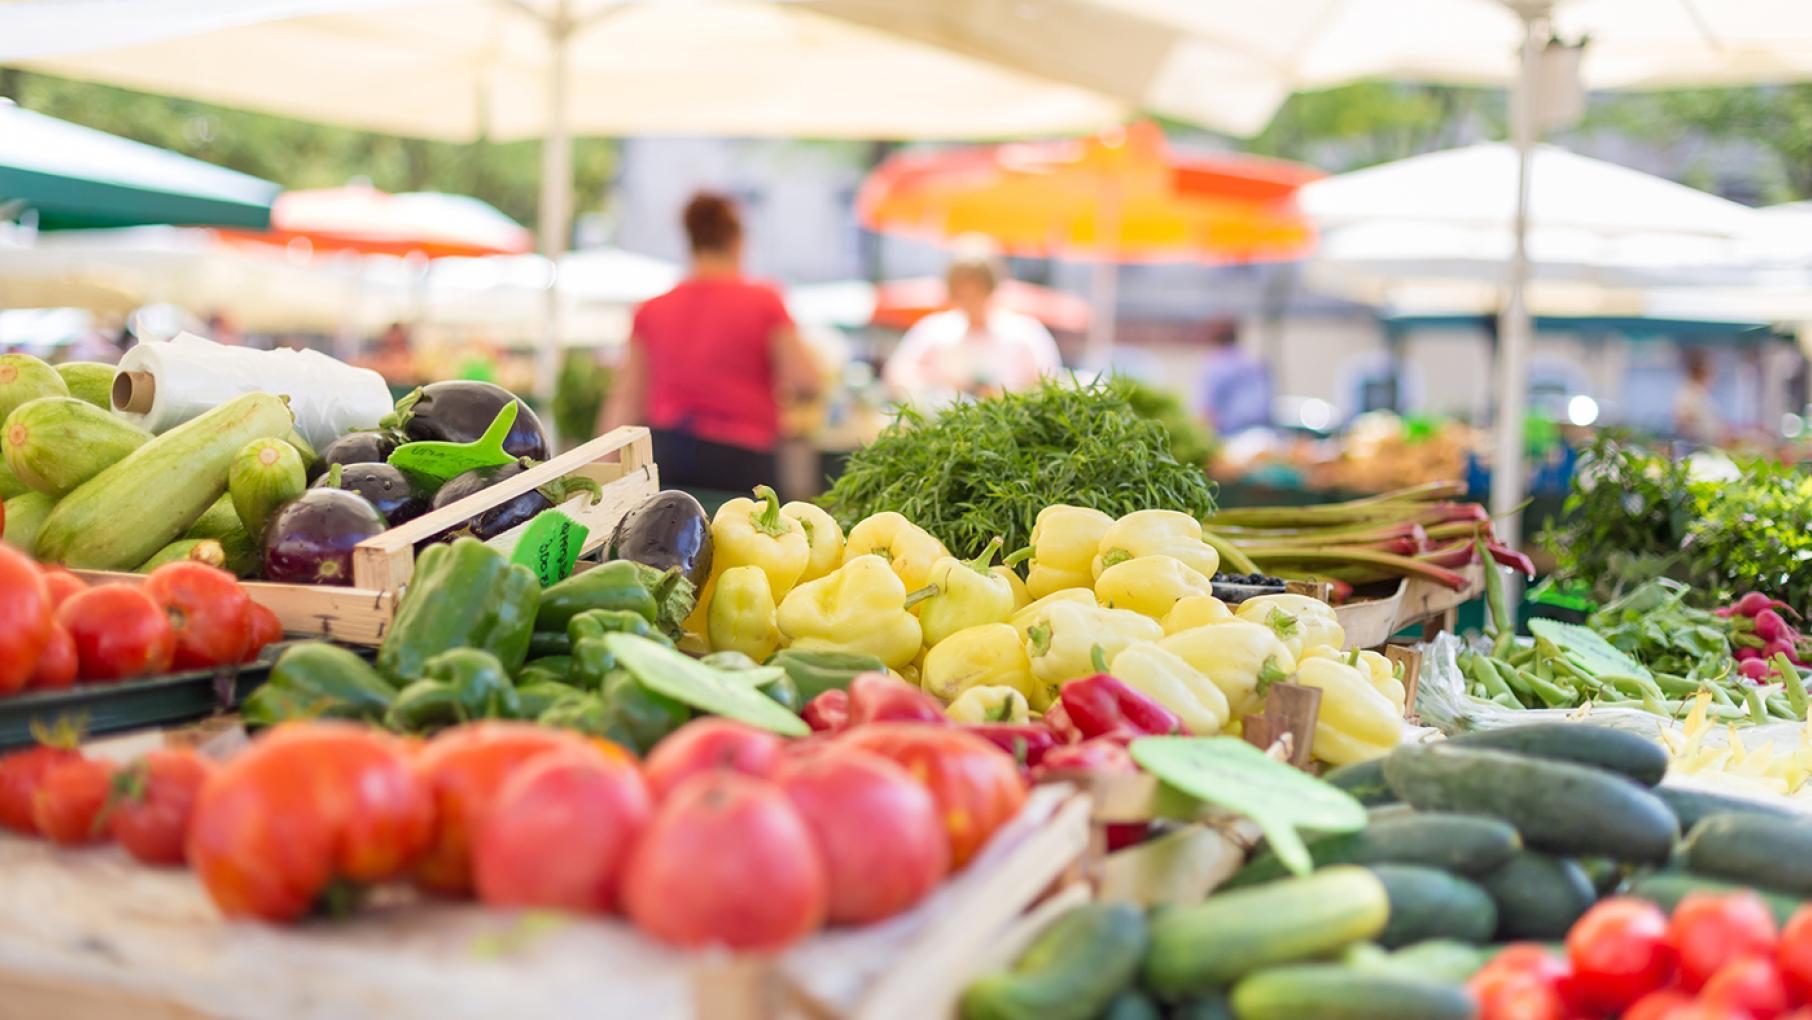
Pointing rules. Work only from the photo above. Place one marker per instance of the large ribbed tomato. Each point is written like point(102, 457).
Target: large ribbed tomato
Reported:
point(307, 805)
point(709, 744)
point(25, 618)
point(463, 768)
point(119, 632)
point(20, 774)
point(152, 801)
point(208, 610)
point(560, 831)
point(976, 785)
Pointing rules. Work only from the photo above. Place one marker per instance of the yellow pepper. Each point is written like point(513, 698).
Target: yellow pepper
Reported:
point(1156, 533)
point(1194, 611)
point(1035, 611)
point(742, 614)
point(1300, 621)
point(859, 607)
point(980, 705)
point(903, 545)
point(1377, 669)
point(1238, 656)
point(1021, 597)
point(745, 532)
point(1064, 542)
point(1356, 723)
point(823, 538)
point(989, 655)
point(1061, 645)
point(962, 594)
point(1150, 585)
point(1165, 678)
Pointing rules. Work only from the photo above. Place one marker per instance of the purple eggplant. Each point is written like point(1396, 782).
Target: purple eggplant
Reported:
point(668, 529)
point(458, 411)
point(360, 448)
point(309, 540)
point(503, 516)
point(385, 487)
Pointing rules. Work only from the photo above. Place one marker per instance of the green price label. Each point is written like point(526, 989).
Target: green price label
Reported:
point(442, 462)
point(550, 546)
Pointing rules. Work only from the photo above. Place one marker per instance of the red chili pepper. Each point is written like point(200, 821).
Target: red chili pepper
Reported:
point(877, 697)
point(1028, 743)
point(828, 712)
point(1101, 704)
point(1057, 720)
point(1100, 755)
point(1511, 558)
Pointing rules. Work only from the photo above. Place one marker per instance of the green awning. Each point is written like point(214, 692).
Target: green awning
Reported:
point(75, 177)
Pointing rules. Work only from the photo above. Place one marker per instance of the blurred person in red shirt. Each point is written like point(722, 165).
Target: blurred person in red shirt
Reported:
point(709, 363)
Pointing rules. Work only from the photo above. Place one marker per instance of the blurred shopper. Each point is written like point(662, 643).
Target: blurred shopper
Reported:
point(1696, 417)
point(1235, 390)
point(709, 363)
point(976, 347)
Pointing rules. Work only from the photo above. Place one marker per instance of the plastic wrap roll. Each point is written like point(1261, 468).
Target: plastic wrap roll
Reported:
point(162, 385)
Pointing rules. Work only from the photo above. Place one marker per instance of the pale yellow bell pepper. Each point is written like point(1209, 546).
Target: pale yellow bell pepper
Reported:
point(1238, 656)
point(988, 655)
point(1061, 645)
point(1300, 621)
point(907, 548)
point(962, 594)
point(980, 705)
point(1195, 611)
point(1168, 680)
point(1021, 597)
point(742, 614)
point(859, 607)
point(1356, 722)
point(1383, 674)
point(1023, 619)
point(822, 535)
point(1156, 533)
point(1065, 540)
point(1150, 585)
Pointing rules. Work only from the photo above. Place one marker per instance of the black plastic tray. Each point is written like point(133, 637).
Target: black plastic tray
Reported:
point(134, 704)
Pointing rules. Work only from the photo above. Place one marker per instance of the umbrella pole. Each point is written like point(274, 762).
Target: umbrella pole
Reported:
point(1515, 328)
point(1104, 288)
point(556, 195)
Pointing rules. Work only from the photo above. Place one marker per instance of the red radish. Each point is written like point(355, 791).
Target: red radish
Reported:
point(1746, 653)
point(1770, 627)
point(1780, 646)
point(1753, 669)
point(1755, 602)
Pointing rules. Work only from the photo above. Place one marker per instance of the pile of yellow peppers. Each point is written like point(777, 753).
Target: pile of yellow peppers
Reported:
point(1131, 597)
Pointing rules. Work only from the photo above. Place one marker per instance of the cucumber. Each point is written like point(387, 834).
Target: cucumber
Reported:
point(1775, 853)
point(1208, 946)
point(118, 518)
point(265, 473)
point(54, 444)
point(1208, 1007)
point(90, 381)
point(303, 449)
point(1364, 781)
point(1463, 844)
point(10, 485)
point(201, 550)
point(221, 523)
point(1667, 888)
point(1429, 904)
point(23, 378)
point(1556, 806)
point(25, 516)
point(1071, 971)
point(1132, 1005)
point(1627, 754)
point(1328, 991)
point(1691, 806)
point(1538, 897)
point(1438, 959)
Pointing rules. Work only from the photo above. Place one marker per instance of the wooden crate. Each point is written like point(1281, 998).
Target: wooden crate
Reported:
point(1369, 623)
point(620, 461)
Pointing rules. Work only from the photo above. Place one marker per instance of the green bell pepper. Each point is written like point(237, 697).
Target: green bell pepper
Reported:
point(560, 665)
point(579, 710)
point(536, 675)
point(318, 680)
point(617, 585)
point(592, 660)
point(423, 707)
point(481, 687)
point(782, 689)
point(639, 717)
point(814, 671)
point(533, 699)
point(463, 595)
point(548, 643)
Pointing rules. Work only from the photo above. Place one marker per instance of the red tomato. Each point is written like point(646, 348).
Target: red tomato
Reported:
point(20, 774)
point(1619, 953)
point(1662, 1005)
point(25, 618)
point(726, 861)
point(1702, 1010)
point(153, 798)
point(708, 744)
point(877, 830)
point(976, 785)
point(1708, 931)
point(1794, 956)
point(1802, 1013)
point(61, 584)
point(463, 768)
point(263, 628)
point(1521, 983)
point(56, 664)
point(1750, 984)
point(208, 612)
point(119, 632)
point(306, 804)
point(560, 831)
point(66, 806)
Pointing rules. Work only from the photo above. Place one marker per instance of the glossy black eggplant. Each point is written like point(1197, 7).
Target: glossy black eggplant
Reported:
point(385, 487)
point(356, 448)
point(459, 410)
point(668, 529)
point(309, 540)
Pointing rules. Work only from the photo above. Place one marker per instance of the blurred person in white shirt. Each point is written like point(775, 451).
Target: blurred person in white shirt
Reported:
point(976, 347)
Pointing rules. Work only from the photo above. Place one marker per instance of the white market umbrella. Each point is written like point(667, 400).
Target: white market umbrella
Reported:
point(507, 294)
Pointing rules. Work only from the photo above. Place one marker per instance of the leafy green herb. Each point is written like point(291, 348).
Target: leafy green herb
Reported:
point(985, 468)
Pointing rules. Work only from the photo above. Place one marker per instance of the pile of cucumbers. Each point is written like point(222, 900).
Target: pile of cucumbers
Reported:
point(1487, 838)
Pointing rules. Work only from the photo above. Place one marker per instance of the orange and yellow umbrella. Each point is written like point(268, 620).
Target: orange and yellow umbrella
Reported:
point(1123, 196)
